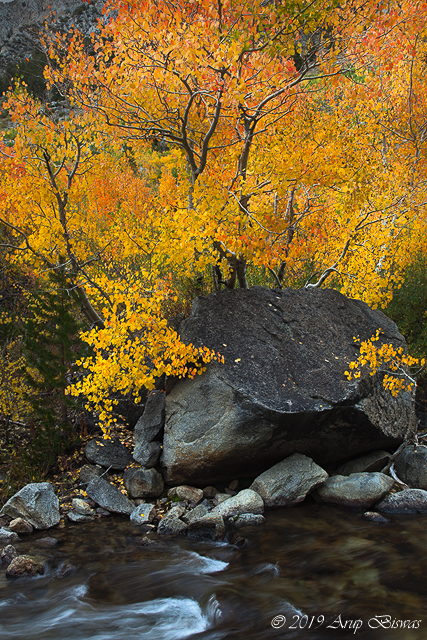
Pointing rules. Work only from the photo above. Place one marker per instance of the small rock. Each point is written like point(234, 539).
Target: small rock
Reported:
point(374, 461)
point(90, 472)
point(210, 492)
point(81, 507)
point(19, 525)
point(65, 570)
point(220, 497)
point(195, 514)
point(143, 483)
point(46, 543)
point(7, 537)
point(230, 492)
point(404, 502)
point(411, 466)
point(109, 497)
point(25, 566)
point(189, 494)
point(36, 503)
point(246, 520)
point(149, 455)
point(246, 501)
point(288, 482)
point(373, 516)
point(143, 513)
point(8, 554)
point(74, 516)
point(150, 426)
point(236, 540)
point(358, 490)
point(233, 485)
point(171, 526)
point(102, 512)
point(108, 453)
point(211, 527)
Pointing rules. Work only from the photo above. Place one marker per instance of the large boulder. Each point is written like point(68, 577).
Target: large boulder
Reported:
point(109, 497)
point(36, 503)
point(282, 388)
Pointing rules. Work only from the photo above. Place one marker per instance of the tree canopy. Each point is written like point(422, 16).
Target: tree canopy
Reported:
point(228, 143)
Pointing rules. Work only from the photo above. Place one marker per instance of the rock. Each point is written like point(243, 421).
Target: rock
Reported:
point(25, 566)
point(143, 513)
point(211, 527)
point(358, 490)
point(411, 466)
point(7, 537)
point(220, 497)
point(143, 483)
point(102, 512)
point(81, 507)
point(195, 514)
point(171, 523)
point(109, 497)
point(8, 554)
point(108, 453)
point(74, 516)
point(230, 492)
point(246, 520)
point(233, 485)
point(90, 472)
point(282, 388)
point(149, 455)
point(210, 492)
point(374, 461)
point(372, 516)
point(150, 426)
point(289, 481)
point(19, 525)
point(246, 501)
point(46, 543)
point(405, 502)
point(189, 494)
point(36, 503)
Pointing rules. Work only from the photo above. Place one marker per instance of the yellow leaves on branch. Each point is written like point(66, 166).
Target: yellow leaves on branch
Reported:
point(396, 366)
point(135, 349)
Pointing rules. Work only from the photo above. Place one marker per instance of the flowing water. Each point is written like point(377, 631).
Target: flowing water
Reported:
point(311, 572)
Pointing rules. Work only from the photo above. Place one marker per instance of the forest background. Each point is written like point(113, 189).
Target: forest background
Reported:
point(187, 147)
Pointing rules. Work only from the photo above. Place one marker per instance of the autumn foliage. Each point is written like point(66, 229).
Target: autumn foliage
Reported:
point(230, 142)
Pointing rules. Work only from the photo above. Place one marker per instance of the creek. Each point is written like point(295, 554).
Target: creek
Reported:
point(317, 571)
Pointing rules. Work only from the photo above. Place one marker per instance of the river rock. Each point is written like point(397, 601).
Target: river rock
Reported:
point(19, 525)
point(405, 502)
point(289, 481)
point(150, 426)
point(109, 497)
point(210, 527)
point(46, 543)
point(220, 497)
point(374, 461)
point(246, 520)
point(373, 516)
point(108, 453)
point(76, 517)
point(195, 514)
point(282, 388)
point(246, 501)
point(210, 492)
point(149, 455)
point(8, 554)
point(358, 490)
point(188, 494)
point(171, 523)
point(90, 472)
point(81, 507)
point(36, 503)
point(143, 513)
point(143, 483)
point(411, 466)
point(7, 537)
point(25, 566)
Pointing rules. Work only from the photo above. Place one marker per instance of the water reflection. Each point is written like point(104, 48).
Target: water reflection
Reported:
point(327, 572)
